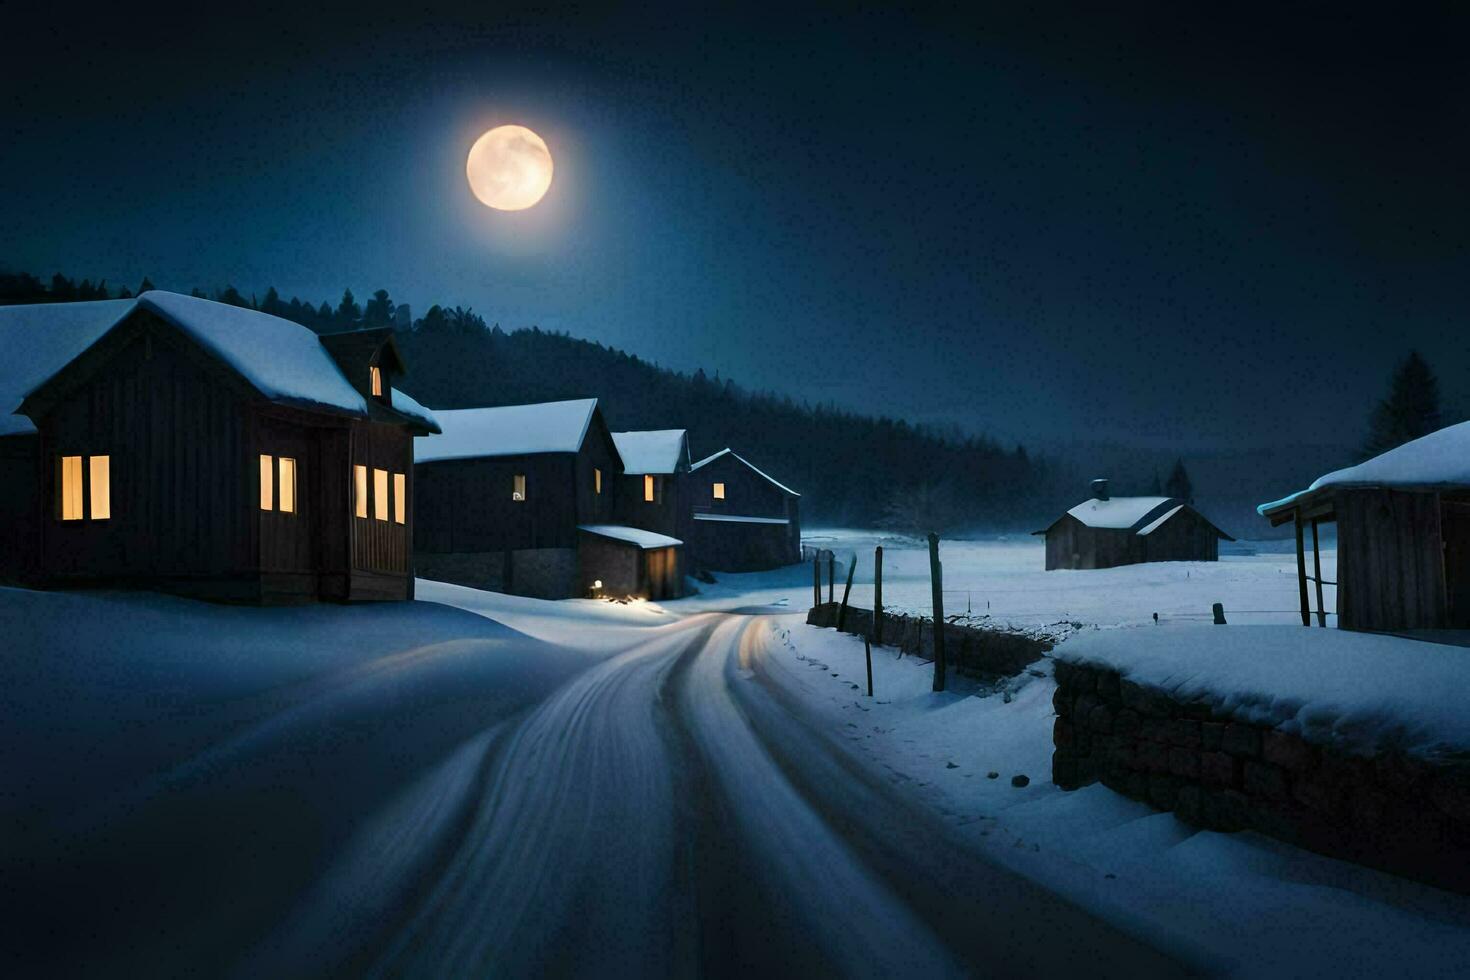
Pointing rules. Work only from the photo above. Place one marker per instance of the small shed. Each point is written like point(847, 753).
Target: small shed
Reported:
point(1106, 531)
point(629, 561)
point(741, 519)
point(1403, 536)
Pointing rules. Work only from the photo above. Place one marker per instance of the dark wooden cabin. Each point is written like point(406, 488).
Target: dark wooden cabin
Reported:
point(1403, 537)
point(199, 448)
point(505, 493)
point(740, 519)
point(1106, 531)
point(651, 493)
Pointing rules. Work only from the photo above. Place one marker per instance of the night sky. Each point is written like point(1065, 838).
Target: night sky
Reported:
point(1049, 226)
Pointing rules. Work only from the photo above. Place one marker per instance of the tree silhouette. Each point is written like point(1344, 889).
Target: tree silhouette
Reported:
point(1411, 409)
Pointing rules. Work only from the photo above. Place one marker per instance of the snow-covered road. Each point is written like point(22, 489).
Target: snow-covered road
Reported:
point(669, 812)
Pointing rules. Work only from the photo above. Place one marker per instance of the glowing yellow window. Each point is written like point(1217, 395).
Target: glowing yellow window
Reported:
point(648, 487)
point(100, 471)
point(267, 482)
point(71, 488)
point(719, 491)
point(597, 480)
point(359, 482)
point(518, 487)
point(377, 379)
point(400, 498)
point(380, 494)
point(288, 485)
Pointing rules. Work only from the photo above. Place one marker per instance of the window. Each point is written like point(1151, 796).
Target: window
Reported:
point(75, 490)
point(400, 498)
point(596, 480)
point(71, 488)
point(100, 471)
point(376, 374)
point(359, 481)
point(267, 482)
point(288, 485)
point(518, 487)
point(719, 491)
point(648, 487)
point(380, 494)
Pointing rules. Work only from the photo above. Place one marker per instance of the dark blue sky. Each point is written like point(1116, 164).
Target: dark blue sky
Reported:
point(1162, 228)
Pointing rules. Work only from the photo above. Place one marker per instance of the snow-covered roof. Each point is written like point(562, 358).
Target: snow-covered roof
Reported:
point(37, 340)
point(652, 450)
point(282, 360)
point(631, 535)
point(1158, 522)
point(510, 430)
point(730, 452)
point(1440, 459)
point(739, 519)
point(1121, 513)
point(406, 405)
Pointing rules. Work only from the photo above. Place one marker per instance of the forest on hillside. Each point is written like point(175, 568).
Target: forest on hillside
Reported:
point(850, 468)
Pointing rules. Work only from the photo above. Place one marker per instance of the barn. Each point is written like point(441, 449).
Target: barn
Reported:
point(650, 494)
point(1106, 531)
point(1403, 536)
point(523, 499)
point(174, 443)
point(739, 518)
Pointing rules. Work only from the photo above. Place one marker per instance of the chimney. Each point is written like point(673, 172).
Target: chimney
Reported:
point(1100, 489)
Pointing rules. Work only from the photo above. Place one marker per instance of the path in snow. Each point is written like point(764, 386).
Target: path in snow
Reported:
point(668, 812)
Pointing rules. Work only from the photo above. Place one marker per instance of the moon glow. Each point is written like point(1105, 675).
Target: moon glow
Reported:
point(509, 168)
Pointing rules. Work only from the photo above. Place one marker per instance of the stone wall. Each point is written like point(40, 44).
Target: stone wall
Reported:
point(1390, 811)
point(969, 649)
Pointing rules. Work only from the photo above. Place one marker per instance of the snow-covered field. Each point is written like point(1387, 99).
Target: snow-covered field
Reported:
point(1005, 578)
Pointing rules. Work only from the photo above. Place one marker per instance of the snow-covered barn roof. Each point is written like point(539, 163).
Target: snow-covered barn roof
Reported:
point(1440, 459)
point(37, 340)
point(1140, 515)
point(730, 452)
point(631, 535)
point(652, 450)
point(509, 430)
point(404, 404)
point(282, 360)
point(741, 519)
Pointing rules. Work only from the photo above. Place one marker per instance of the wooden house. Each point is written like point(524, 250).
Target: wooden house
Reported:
point(522, 499)
point(740, 519)
point(1106, 531)
point(190, 446)
point(1403, 537)
point(652, 489)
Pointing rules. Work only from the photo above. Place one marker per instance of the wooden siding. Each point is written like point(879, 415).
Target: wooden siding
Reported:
point(380, 546)
point(465, 505)
point(20, 481)
point(730, 546)
point(1390, 560)
point(1184, 537)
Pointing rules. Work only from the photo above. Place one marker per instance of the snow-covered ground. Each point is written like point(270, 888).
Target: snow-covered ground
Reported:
point(1005, 578)
point(1242, 903)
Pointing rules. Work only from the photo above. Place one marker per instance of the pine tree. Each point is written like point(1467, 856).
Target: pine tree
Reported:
point(1157, 488)
point(232, 296)
point(272, 303)
point(1178, 485)
point(145, 285)
point(348, 312)
point(1411, 409)
point(379, 310)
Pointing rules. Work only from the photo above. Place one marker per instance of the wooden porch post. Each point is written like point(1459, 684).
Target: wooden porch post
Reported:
point(1317, 571)
point(1301, 569)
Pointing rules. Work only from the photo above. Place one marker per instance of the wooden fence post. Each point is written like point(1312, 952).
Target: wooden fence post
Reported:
point(1317, 571)
point(817, 581)
point(847, 589)
point(878, 595)
point(936, 578)
point(1301, 571)
point(868, 652)
point(831, 574)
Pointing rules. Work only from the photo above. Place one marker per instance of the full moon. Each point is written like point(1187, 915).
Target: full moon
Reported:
point(509, 168)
